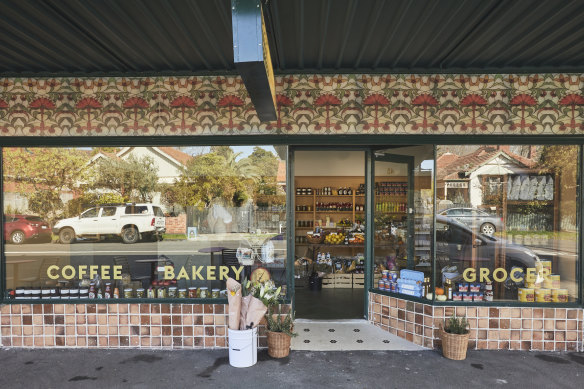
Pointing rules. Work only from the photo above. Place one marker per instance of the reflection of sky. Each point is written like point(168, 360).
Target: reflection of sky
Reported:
point(247, 150)
point(244, 150)
point(427, 164)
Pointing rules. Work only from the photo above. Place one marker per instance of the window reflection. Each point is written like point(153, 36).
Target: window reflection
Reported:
point(142, 221)
point(506, 222)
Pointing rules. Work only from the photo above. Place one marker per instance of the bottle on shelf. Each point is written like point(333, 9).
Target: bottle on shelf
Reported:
point(448, 289)
point(426, 286)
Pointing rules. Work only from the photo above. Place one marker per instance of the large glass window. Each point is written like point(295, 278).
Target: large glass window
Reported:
point(139, 222)
point(507, 223)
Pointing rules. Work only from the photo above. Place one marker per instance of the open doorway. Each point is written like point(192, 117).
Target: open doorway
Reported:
point(329, 189)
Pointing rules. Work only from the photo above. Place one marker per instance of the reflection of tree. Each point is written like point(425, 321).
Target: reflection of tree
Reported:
point(43, 174)
point(562, 161)
point(134, 179)
point(87, 200)
point(205, 178)
point(223, 174)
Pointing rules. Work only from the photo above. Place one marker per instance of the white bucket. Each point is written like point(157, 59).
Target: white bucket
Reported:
point(243, 347)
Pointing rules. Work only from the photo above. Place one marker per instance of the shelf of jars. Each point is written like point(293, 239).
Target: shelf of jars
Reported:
point(330, 219)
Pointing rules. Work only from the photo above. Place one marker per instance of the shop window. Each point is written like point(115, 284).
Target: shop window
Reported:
point(142, 222)
point(516, 237)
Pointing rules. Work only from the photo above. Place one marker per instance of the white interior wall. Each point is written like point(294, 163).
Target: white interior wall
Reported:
point(352, 163)
point(329, 163)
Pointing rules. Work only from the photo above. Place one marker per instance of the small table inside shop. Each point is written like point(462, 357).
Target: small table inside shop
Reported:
point(153, 263)
point(16, 263)
point(212, 251)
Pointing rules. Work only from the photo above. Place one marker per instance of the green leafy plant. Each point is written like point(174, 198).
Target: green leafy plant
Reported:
point(280, 323)
point(456, 325)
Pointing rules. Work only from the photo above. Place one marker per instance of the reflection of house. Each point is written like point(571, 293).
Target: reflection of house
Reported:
point(479, 178)
point(281, 176)
point(168, 160)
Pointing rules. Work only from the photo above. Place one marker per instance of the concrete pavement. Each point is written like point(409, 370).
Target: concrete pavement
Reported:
point(303, 369)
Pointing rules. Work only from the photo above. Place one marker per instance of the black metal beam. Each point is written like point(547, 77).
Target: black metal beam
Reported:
point(251, 54)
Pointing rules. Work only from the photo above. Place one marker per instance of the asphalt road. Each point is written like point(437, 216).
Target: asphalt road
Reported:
point(116, 248)
point(303, 369)
point(103, 252)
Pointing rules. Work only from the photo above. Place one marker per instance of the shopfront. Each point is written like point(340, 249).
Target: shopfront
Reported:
point(401, 199)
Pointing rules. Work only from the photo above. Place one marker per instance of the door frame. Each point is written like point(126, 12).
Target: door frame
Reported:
point(369, 175)
point(409, 161)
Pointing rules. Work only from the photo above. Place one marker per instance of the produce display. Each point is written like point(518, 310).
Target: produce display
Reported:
point(335, 238)
point(357, 238)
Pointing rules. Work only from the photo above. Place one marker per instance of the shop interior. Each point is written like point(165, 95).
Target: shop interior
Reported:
point(330, 249)
point(330, 234)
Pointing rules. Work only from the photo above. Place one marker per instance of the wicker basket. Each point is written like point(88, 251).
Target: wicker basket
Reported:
point(315, 239)
point(454, 346)
point(278, 344)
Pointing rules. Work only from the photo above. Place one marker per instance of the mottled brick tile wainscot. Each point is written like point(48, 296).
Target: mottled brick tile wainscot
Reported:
point(152, 326)
point(492, 328)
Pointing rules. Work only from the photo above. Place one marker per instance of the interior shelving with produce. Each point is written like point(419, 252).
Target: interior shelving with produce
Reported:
point(330, 236)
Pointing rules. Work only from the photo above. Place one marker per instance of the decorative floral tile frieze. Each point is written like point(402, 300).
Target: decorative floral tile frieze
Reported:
point(307, 104)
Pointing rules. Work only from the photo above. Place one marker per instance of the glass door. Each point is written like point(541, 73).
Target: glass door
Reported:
point(393, 223)
point(402, 216)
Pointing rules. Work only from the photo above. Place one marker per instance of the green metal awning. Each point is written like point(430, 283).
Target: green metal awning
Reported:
point(71, 37)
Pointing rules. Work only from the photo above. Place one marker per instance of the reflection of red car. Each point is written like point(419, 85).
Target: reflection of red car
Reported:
point(20, 228)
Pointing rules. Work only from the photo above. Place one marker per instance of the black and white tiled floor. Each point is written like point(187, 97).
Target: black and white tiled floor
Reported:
point(345, 335)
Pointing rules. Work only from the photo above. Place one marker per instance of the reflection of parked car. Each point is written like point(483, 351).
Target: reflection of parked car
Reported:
point(462, 246)
point(131, 222)
point(476, 219)
point(21, 228)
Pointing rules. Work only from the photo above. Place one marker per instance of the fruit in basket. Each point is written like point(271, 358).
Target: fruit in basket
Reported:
point(345, 223)
point(357, 239)
point(334, 238)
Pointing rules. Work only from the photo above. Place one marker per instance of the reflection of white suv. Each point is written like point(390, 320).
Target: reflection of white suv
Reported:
point(131, 222)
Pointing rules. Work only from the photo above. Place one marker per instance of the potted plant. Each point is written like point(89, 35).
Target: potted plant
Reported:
point(455, 332)
point(280, 332)
point(279, 327)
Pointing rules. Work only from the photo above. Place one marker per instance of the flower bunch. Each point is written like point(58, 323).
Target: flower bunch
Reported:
point(266, 291)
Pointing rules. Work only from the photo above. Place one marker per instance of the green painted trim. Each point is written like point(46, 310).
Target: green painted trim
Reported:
point(290, 228)
point(369, 219)
point(3, 283)
point(402, 296)
point(117, 301)
point(580, 260)
point(222, 301)
point(433, 242)
point(431, 71)
point(508, 304)
point(473, 304)
point(310, 141)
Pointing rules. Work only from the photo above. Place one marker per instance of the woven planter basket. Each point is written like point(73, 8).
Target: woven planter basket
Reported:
point(278, 344)
point(454, 346)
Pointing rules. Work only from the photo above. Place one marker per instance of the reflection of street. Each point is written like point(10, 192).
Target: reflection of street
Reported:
point(166, 247)
point(564, 256)
point(180, 252)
